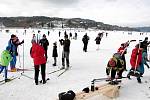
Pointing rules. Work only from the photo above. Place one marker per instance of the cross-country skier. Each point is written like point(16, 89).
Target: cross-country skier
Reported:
point(37, 52)
point(13, 44)
point(66, 51)
point(4, 61)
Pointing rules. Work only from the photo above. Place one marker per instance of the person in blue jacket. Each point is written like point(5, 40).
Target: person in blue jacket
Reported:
point(13, 43)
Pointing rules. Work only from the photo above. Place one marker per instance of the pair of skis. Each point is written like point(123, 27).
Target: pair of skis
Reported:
point(19, 69)
point(64, 70)
point(33, 78)
point(9, 80)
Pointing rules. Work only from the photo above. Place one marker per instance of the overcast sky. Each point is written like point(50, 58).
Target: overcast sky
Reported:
point(116, 12)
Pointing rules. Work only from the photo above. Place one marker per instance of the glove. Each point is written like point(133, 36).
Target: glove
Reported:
point(22, 41)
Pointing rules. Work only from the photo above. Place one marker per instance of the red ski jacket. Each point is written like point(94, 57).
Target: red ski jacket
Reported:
point(37, 52)
point(136, 58)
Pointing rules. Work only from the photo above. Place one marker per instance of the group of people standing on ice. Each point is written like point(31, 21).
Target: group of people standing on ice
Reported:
point(39, 54)
point(117, 64)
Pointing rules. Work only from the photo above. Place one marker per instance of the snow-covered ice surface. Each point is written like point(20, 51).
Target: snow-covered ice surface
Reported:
point(85, 66)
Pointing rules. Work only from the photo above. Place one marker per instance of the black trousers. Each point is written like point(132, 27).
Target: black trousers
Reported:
point(113, 73)
point(36, 75)
point(85, 47)
point(46, 54)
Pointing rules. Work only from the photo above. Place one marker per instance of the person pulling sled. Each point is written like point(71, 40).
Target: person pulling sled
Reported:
point(135, 61)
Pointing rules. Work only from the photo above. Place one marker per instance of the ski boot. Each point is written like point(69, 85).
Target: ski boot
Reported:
point(139, 80)
point(7, 80)
point(54, 64)
point(63, 67)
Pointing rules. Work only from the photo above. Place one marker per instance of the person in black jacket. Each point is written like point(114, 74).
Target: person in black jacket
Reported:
point(44, 43)
point(55, 54)
point(66, 51)
point(98, 40)
point(85, 40)
point(144, 44)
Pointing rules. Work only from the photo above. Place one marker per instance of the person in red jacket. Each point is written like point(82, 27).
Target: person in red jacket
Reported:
point(136, 57)
point(122, 51)
point(37, 52)
point(135, 60)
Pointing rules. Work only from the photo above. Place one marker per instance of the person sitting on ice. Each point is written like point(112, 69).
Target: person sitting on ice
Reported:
point(4, 61)
point(135, 61)
point(114, 66)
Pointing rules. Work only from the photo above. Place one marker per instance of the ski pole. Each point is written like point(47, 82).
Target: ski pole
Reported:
point(19, 58)
point(23, 56)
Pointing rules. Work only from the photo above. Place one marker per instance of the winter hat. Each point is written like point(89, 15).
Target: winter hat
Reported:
point(8, 48)
point(137, 45)
point(55, 43)
point(66, 36)
point(44, 35)
point(141, 45)
point(122, 44)
point(146, 38)
point(39, 31)
point(12, 36)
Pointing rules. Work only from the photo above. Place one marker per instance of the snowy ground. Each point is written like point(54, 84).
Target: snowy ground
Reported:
point(85, 67)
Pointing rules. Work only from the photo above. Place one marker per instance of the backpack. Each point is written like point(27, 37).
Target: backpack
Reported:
point(70, 95)
point(117, 55)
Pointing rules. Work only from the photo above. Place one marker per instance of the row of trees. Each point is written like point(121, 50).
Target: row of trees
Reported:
point(53, 22)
